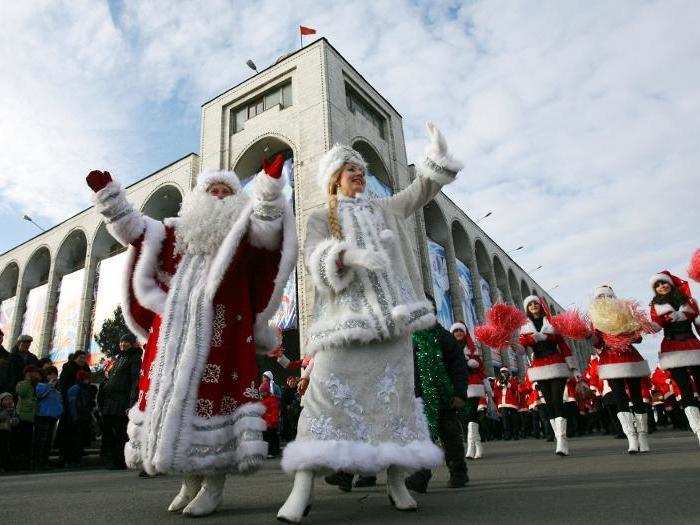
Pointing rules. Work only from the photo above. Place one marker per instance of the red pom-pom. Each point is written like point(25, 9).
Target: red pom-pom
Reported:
point(621, 342)
point(641, 315)
point(506, 317)
point(694, 268)
point(572, 324)
point(492, 336)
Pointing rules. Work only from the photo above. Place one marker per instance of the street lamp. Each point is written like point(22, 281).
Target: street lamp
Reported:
point(535, 269)
point(251, 65)
point(29, 219)
point(482, 218)
point(553, 287)
point(516, 249)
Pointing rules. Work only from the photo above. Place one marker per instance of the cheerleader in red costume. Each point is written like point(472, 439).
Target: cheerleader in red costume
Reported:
point(475, 387)
point(624, 370)
point(551, 366)
point(675, 310)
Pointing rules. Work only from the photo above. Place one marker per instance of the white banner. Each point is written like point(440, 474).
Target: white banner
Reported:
point(441, 283)
point(34, 315)
point(109, 278)
point(466, 285)
point(65, 331)
point(7, 310)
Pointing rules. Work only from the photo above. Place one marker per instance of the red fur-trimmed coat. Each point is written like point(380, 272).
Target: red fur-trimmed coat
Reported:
point(202, 316)
point(506, 396)
point(551, 357)
point(680, 346)
point(618, 364)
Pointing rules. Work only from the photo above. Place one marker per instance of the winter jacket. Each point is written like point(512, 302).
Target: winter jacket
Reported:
point(81, 401)
point(455, 362)
point(119, 391)
point(68, 376)
point(26, 401)
point(50, 401)
point(8, 419)
point(5, 385)
point(353, 305)
point(18, 360)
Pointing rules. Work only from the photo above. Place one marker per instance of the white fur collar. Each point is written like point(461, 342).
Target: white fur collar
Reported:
point(529, 327)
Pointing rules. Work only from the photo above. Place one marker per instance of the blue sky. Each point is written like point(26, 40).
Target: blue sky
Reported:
point(577, 122)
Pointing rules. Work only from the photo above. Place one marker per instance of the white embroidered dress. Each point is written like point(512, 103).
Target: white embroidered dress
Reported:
point(360, 412)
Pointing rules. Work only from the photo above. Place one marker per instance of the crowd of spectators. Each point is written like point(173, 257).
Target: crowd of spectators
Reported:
point(43, 411)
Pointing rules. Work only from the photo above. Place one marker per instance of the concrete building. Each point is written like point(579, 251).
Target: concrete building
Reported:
point(302, 105)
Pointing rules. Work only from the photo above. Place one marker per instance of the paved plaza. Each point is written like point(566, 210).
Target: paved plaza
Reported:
point(518, 482)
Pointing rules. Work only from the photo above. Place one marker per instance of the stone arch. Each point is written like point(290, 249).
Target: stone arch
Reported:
point(35, 274)
point(9, 279)
point(483, 264)
point(70, 257)
point(374, 161)
point(524, 290)
point(163, 202)
point(249, 162)
point(464, 253)
point(501, 279)
point(514, 288)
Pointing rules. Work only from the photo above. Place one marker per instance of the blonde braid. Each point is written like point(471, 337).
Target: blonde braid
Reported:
point(333, 217)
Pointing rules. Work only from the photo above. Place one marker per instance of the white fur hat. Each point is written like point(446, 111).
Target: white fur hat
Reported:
point(529, 299)
point(661, 276)
point(209, 177)
point(458, 326)
point(603, 290)
point(333, 160)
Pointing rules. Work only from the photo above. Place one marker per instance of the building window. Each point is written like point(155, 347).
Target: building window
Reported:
point(279, 95)
point(358, 105)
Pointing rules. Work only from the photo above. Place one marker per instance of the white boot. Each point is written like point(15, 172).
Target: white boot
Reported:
point(298, 503)
point(693, 415)
point(470, 442)
point(642, 431)
point(474, 427)
point(209, 496)
point(189, 489)
point(627, 423)
point(560, 434)
point(399, 496)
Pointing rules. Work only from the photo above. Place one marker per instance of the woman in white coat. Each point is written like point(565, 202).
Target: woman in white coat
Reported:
point(360, 412)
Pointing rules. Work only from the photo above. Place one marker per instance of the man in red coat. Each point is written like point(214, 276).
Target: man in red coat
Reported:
point(200, 290)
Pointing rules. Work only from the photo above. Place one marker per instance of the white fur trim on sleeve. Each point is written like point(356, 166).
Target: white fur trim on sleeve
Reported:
point(283, 361)
point(267, 188)
point(146, 288)
point(442, 175)
point(323, 268)
point(663, 309)
point(571, 362)
point(123, 222)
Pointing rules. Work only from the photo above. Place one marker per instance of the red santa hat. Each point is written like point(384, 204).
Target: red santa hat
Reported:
point(530, 299)
point(333, 160)
point(458, 326)
point(667, 277)
point(209, 177)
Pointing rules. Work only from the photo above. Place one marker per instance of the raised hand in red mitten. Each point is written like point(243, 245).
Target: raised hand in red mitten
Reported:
point(274, 168)
point(98, 180)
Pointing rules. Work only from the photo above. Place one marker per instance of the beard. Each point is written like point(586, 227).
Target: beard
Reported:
point(205, 221)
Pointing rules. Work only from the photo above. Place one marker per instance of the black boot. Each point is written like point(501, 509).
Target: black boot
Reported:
point(343, 480)
point(365, 481)
point(418, 481)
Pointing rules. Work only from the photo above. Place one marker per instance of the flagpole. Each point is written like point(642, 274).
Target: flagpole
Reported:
point(301, 43)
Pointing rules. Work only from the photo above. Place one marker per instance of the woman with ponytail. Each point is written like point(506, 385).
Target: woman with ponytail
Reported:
point(551, 365)
point(674, 309)
point(360, 412)
point(475, 387)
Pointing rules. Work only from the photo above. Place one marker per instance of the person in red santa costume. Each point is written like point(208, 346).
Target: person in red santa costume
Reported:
point(550, 367)
point(475, 387)
point(624, 370)
point(200, 289)
point(507, 399)
point(674, 309)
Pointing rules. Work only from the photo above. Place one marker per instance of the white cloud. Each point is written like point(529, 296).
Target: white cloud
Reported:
point(578, 123)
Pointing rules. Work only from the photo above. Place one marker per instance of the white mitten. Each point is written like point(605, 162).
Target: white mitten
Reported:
point(473, 363)
point(362, 258)
point(437, 150)
point(678, 317)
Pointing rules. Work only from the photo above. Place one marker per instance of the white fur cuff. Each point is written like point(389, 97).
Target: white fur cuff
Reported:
point(323, 266)
point(436, 172)
point(267, 188)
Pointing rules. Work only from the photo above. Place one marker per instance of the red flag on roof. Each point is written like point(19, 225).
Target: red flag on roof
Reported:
point(306, 30)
